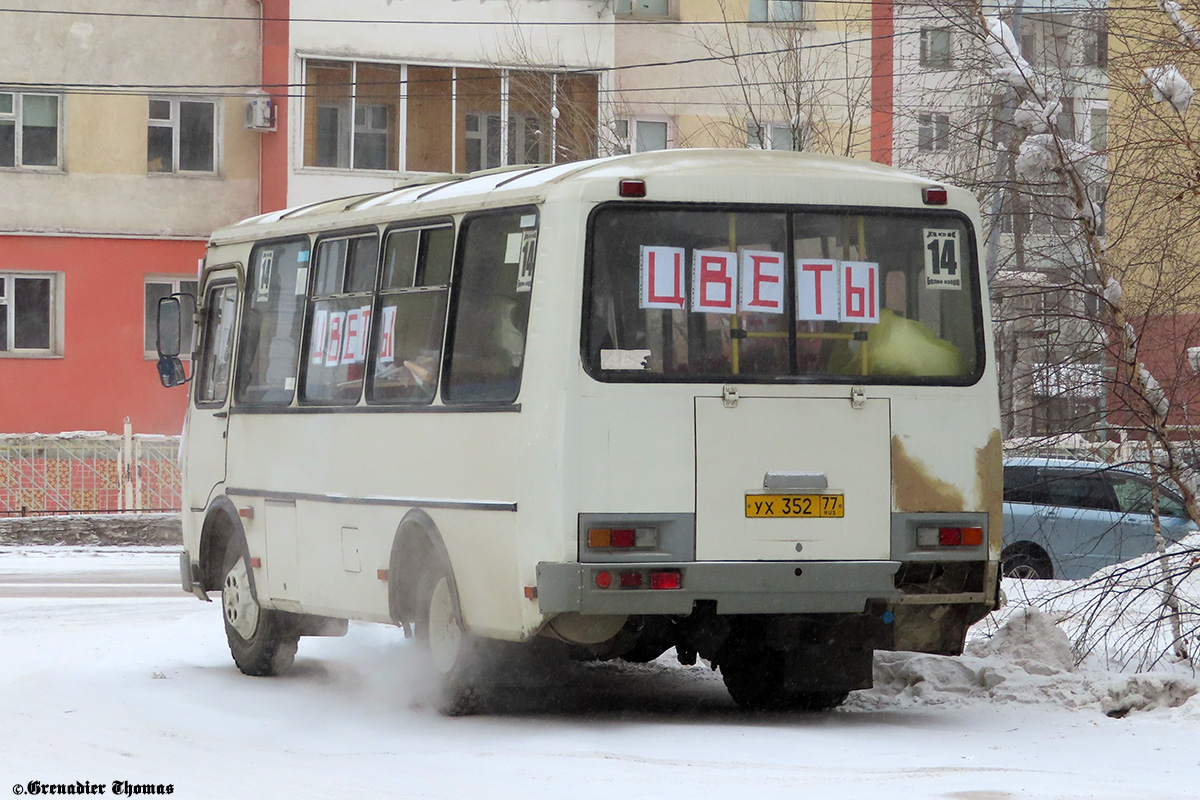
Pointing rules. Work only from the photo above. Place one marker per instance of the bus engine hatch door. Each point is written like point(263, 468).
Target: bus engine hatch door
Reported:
point(793, 479)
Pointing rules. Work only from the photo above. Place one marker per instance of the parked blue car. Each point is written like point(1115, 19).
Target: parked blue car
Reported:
point(1066, 519)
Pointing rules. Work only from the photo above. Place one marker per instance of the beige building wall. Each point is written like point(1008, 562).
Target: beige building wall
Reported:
point(103, 185)
point(811, 76)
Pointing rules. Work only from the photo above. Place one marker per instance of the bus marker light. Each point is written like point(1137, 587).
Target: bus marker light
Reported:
point(604, 579)
point(631, 580)
point(935, 195)
point(530, 592)
point(632, 188)
point(255, 563)
point(246, 513)
point(382, 574)
point(666, 579)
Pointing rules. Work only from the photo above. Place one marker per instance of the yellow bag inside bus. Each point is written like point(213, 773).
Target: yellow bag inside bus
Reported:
point(899, 346)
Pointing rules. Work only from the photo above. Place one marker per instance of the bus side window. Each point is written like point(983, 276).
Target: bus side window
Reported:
point(340, 319)
point(212, 379)
point(272, 319)
point(412, 315)
point(486, 343)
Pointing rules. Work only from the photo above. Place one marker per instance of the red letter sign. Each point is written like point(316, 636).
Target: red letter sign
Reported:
point(714, 282)
point(662, 278)
point(817, 295)
point(762, 281)
point(860, 291)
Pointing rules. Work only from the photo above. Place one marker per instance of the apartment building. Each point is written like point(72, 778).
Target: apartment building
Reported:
point(108, 190)
point(128, 134)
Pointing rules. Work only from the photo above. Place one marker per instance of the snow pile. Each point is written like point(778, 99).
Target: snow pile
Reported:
point(1029, 660)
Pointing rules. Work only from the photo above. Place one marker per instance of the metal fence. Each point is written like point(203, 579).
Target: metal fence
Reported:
point(88, 473)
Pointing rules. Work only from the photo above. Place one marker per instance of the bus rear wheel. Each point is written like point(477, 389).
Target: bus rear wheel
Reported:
point(757, 680)
point(452, 653)
point(260, 640)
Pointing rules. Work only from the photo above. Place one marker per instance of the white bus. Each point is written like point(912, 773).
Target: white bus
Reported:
point(740, 404)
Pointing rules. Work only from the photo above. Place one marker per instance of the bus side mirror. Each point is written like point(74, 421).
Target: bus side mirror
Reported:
point(173, 320)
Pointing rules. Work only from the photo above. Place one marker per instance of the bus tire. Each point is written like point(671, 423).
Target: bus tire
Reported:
point(757, 680)
point(260, 640)
point(450, 651)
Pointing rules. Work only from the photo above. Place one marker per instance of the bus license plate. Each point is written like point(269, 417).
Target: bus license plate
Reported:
point(795, 505)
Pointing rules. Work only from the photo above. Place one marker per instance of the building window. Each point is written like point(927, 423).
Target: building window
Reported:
point(1098, 132)
point(352, 115)
point(643, 8)
point(181, 136)
point(158, 287)
point(774, 137)
point(29, 313)
point(776, 11)
point(933, 132)
point(484, 136)
point(1095, 44)
point(29, 130)
point(1065, 122)
point(639, 135)
point(937, 48)
point(407, 117)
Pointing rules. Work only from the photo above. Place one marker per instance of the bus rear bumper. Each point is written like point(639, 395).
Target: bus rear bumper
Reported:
point(736, 587)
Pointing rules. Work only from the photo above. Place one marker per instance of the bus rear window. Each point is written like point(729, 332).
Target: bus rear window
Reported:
point(782, 295)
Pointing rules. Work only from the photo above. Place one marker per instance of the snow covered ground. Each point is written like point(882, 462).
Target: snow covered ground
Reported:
point(110, 673)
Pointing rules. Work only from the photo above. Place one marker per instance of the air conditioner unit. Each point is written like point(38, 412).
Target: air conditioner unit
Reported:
point(260, 112)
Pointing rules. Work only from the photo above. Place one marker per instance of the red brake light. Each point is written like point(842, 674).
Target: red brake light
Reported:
point(949, 537)
point(632, 188)
point(935, 195)
point(666, 579)
point(622, 537)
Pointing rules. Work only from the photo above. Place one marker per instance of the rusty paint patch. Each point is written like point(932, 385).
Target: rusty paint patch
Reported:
point(914, 489)
point(989, 486)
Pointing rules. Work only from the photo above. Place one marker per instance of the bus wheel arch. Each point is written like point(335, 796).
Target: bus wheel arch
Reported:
point(221, 528)
point(417, 551)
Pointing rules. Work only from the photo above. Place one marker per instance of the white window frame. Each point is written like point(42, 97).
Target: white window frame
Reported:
point(150, 325)
point(627, 140)
point(644, 8)
point(8, 279)
point(765, 138)
point(936, 59)
point(173, 123)
point(933, 131)
point(766, 11)
point(15, 116)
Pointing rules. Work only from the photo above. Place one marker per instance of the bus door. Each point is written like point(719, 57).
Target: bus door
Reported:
point(792, 478)
point(208, 418)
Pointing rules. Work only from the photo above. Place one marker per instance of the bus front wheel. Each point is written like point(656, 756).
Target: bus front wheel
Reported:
point(260, 640)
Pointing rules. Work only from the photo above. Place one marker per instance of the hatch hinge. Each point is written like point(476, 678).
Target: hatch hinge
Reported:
point(729, 396)
point(857, 397)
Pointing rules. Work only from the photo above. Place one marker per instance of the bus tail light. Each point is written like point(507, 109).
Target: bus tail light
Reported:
point(622, 538)
point(666, 579)
point(639, 578)
point(949, 537)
